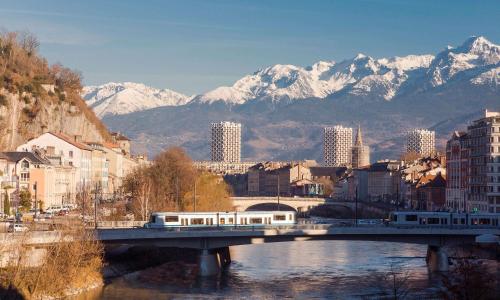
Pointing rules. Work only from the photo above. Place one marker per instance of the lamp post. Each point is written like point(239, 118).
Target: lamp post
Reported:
point(278, 191)
point(35, 189)
point(356, 207)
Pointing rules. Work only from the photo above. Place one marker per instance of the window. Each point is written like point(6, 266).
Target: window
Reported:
point(279, 217)
point(197, 221)
point(222, 221)
point(230, 221)
point(484, 221)
point(255, 220)
point(172, 219)
point(70, 154)
point(25, 165)
point(411, 218)
point(432, 221)
point(152, 219)
point(25, 176)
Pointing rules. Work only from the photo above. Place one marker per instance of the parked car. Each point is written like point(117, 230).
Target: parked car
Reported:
point(17, 227)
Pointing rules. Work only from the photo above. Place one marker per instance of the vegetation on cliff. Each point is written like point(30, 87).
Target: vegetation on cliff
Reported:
point(36, 96)
point(172, 183)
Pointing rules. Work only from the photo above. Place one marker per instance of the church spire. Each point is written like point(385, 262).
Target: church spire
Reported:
point(359, 138)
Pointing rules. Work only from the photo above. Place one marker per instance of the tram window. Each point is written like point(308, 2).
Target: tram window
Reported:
point(484, 221)
point(444, 221)
point(290, 217)
point(411, 218)
point(230, 221)
point(279, 217)
point(222, 221)
point(197, 221)
point(152, 219)
point(394, 218)
point(462, 221)
point(474, 221)
point(455, 221)
point(172, 219)
point(255, 220)
point(431, 221)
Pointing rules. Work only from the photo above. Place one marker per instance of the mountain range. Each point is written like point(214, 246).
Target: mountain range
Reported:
point(283, 108)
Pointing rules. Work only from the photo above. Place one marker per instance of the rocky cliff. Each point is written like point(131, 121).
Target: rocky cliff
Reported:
point(36, 98)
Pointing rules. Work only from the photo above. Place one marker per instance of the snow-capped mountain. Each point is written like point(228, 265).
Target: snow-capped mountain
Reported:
point(123, 98)
point(362, 75)
point(387, 96)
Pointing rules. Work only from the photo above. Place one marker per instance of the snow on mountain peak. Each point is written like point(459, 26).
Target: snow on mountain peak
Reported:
point(121, 98)
point(361, 75)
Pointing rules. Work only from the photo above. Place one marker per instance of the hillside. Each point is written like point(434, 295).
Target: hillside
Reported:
point(283, 108)
point(36, 97)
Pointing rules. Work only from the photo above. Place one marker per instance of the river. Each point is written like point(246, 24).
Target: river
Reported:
point(299, 270)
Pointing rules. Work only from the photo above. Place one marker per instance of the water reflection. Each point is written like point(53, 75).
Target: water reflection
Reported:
point(309, 269)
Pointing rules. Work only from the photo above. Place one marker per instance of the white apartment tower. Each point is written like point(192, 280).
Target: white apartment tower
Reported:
point(421, 141)
point(337, 146)
point(226, 142)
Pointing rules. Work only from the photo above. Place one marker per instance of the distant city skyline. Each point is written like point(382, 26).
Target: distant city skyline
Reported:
point(195, 46)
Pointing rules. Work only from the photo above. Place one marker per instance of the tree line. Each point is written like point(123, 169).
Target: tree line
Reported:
point(172, 183)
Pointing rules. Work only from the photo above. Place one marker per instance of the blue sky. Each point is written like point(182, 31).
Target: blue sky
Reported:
point(193, 46)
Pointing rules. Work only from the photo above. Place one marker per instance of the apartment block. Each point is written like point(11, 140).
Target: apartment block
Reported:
point(421, 141)
point(337, 146)
point(226, 142)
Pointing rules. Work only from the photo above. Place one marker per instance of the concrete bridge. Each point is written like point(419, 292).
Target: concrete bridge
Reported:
point(214, 242)
point(286, 203)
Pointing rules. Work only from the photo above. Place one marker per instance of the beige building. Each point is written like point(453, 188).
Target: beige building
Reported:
point(337, 146)
point(224, 168)
point(100, 168)
point(383, 180)
point(484, 163)
point(273, 178)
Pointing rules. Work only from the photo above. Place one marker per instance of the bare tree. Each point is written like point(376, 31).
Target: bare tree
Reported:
point(28, 42)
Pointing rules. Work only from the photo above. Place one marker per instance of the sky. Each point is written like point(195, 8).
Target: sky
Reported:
point(193, 46)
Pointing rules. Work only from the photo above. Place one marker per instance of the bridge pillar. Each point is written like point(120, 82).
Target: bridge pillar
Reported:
point(208, 263)
point(437, 259)
point(224, 256)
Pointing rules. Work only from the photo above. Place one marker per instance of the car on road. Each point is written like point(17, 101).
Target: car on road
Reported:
point(17, 227)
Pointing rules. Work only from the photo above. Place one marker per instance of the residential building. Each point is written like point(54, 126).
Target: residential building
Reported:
point(273, 178)
point(122, 141)
point(100, 168)
point(429, 193)
point(224, 168)
point(360, 154)
point(337, 146)
point(483, 140)
point(72, 151)
point(226, 142)
point(383, 181)
point(421, 142)
point(457, 168)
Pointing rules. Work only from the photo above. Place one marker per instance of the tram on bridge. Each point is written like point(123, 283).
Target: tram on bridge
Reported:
point(427, 218)
point(229, 219)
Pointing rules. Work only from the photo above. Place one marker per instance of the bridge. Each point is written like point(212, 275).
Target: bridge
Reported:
point(302, 204)
point(214, 242)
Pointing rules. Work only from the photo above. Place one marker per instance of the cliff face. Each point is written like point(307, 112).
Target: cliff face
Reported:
point(21, 120)
point(36, 98)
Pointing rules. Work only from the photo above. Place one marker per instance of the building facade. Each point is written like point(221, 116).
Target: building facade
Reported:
point(226, 142)
point(457, 167)
point(337, 145)
point(484, 163)
point(421, 141)
point(360, 154)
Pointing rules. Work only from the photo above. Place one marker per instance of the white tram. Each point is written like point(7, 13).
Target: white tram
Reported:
point(427, 218)
point(206, 219)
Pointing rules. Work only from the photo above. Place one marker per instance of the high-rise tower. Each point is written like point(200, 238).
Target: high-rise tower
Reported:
point(421, 141)
point(226, 142)
point(337, 146)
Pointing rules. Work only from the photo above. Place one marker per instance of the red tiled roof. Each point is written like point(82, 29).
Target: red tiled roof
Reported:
point(71, 141)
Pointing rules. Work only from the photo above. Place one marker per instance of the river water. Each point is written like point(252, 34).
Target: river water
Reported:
point(299, 270)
